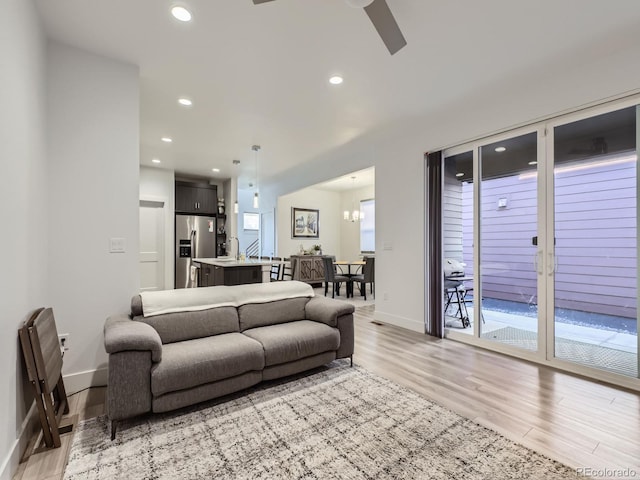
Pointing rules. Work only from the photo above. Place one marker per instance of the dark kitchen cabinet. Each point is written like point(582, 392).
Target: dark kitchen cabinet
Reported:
point(199, 198)
point(206, 278)
point(236, 275)
point(221, 237)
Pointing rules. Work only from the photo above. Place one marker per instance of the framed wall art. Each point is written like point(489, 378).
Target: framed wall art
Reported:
point(305, 223)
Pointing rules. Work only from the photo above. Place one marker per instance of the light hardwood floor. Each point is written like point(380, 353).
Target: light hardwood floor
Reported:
point(577, 421)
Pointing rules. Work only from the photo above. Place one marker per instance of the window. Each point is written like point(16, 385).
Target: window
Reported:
point(251, 221)
point(368, 226)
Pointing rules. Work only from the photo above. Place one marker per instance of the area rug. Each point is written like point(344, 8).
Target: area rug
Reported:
point(604, 358)
point(338, 423)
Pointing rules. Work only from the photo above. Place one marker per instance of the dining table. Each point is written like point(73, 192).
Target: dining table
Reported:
point(344, 263)
point(348, 264)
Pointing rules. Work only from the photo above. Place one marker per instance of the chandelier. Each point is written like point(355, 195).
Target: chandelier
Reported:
point(355, 214)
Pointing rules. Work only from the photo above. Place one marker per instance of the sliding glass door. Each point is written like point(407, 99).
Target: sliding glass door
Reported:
point(541, 242)
point(508, 206)
point(595, 266)
point(490, 225)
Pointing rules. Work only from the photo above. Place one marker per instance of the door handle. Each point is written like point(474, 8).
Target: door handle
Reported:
point(537, 262)
point(552, 263)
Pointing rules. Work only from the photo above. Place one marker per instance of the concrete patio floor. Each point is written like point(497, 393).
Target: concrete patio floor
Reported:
point(524, 327)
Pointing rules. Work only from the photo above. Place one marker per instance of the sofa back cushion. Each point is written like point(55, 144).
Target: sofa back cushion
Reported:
point(254, 315)
point(176, 327)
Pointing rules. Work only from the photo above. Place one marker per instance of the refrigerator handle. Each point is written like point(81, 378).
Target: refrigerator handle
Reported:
point(193, 244)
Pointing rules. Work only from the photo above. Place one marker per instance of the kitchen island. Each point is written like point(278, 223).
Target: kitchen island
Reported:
point(228, 271)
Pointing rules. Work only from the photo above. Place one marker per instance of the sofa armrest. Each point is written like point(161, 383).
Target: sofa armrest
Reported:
point(327, 310)
point(133, 348)
point(121, 334)
point(334, 313)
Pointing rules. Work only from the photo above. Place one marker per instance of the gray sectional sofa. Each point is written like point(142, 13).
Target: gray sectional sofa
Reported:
point(178, 348)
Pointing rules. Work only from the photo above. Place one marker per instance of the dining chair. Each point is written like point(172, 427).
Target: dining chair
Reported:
point(287, 269)
point(275, 272)
point(367, 276)
point(330, 276)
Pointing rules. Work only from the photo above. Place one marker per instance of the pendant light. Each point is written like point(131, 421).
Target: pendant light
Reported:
point(256, 148)
point(355, 215)
point(236, 208)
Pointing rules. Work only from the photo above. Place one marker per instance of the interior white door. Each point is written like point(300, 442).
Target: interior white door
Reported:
point(151, 245)
point(268, 234)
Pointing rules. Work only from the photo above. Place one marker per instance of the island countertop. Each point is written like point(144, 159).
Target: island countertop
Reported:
point(232, 263)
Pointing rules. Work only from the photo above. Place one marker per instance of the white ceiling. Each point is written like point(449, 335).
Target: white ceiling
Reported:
point(258, 74)
point(353, 181)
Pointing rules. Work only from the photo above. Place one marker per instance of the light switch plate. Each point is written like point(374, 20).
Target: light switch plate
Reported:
point(117, 245)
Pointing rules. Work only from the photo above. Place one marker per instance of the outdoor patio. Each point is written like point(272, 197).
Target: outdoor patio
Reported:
point(599, 341)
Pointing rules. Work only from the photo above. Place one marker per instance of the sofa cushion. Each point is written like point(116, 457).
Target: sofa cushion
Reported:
point(294, 340)
point(204, 360)
point(255, 315)
point(176, 327)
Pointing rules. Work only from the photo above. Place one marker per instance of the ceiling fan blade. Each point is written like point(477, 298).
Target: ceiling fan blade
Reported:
point(386, 25)
point(258, 2)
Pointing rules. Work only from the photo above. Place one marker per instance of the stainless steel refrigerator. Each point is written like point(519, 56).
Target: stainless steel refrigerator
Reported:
point(195, 238)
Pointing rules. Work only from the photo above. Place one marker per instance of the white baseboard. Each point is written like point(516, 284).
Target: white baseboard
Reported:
point(75, 382)
point(408, 323)
point(29, 426)
point(10, 464)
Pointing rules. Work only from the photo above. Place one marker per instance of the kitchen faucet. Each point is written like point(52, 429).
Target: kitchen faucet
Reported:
point(238, 245)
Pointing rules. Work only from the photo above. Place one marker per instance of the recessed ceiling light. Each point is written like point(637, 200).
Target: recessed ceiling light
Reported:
point(215, 170)
point(459, 174)
point(336, 80)
point(166, 139)
point(155, 160)
point(185, 101)
point(500, 149)
point(181, 13)
point(533, 162)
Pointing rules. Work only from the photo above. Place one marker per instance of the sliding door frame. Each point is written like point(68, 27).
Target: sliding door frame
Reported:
point(476, 339)
point(550, 233)
point(546, 260)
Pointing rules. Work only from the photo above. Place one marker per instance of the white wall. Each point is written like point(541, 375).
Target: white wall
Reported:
point(158, 184)
point(93, 123)
point(350, 231)
point(23, 209)
point(330, 218)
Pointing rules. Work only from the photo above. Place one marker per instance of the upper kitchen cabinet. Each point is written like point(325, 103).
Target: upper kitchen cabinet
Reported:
point(200, 198)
